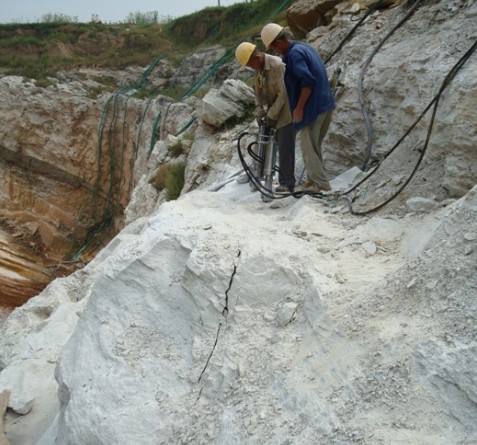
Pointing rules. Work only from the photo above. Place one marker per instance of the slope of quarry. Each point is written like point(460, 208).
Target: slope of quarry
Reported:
point(220, 319)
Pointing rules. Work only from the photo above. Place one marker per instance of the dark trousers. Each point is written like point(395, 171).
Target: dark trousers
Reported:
point(286, 154)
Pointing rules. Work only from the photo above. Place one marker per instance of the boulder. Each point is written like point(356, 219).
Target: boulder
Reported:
point(451, 371)
point(460, 173)
point(346, 179)
point(173, 342)
point(306, 15)
point(233, 99)
point(419, 204)
point(212, 158)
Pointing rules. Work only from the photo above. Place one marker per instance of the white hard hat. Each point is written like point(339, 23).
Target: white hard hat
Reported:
point(244, 51)
point(269, 33)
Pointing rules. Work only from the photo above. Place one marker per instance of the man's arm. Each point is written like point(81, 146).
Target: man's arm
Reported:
point(300, 106)
point(259, 104)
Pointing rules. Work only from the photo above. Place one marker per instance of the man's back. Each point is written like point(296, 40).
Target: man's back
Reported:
point(304, 68)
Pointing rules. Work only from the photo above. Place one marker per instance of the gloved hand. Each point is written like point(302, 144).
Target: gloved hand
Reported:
point(260, 113)
point(271, 123)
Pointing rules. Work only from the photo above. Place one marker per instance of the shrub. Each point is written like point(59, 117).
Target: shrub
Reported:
point(58, 18)
point(175, 180)
point(158, 179)
point(98, 90)
point(170, 177)
point(175, 91)
point(19, 41)
point(137, 40)
point(177, 149)
point(142, 18)
point(215, 24)
point(43, 82)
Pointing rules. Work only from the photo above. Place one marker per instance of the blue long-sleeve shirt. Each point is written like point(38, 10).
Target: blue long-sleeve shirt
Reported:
point(304, 68)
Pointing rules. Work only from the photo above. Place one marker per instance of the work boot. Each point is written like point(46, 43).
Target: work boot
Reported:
point(310, 184)
point(283, 189)
point(312, 188)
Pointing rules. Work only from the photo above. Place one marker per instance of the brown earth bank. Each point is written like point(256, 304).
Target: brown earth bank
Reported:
point(61, 190)
point(22, 273)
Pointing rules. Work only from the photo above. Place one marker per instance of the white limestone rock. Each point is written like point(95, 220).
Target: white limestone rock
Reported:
point(231, 100)
point(419, 204)
point(398, 85)
point(148, 352)
point(346, 179)
point(212, 158)
point(451, 370)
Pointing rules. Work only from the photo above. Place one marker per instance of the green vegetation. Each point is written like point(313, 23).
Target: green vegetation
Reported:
point(225, 25)
point(95, 92)
point(175, 91)
point(21, 41)
point(58, 18)
point(43, 83)
point(146, 92)
point(175, 180)
point(177, 149)
point(158, 180)
point(170, 177)
point(39, 50)
point(142, 18)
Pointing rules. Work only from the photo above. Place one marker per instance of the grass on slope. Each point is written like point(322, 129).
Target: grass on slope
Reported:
point(224, 25)
point(41, 49)
point(38, 50)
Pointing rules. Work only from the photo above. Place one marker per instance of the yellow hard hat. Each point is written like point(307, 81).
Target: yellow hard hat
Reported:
point(270, 33)
point(244, 51)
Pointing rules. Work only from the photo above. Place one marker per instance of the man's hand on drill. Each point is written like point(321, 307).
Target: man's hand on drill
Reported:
point(260, 114)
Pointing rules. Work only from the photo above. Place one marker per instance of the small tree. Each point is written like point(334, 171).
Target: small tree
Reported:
point(142, 18)
point(95, 18)
point(58, 18)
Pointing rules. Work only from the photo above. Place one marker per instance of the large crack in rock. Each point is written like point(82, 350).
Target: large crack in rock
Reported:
point(171, 301)
point(225, 313)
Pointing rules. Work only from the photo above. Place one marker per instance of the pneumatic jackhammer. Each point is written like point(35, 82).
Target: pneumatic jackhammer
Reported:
point(264, 159)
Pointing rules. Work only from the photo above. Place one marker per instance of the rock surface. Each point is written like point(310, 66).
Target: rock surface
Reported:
point(419, 204)
point(306, 15)
point(196, 65)
point(231, 100)
point(49, 157)
point(168, 330)
point(4, 398)
point(59, 180)
point(22, 274)
point(402, 79)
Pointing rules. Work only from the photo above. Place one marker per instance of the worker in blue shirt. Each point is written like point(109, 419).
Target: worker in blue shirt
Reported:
point(310, 96)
